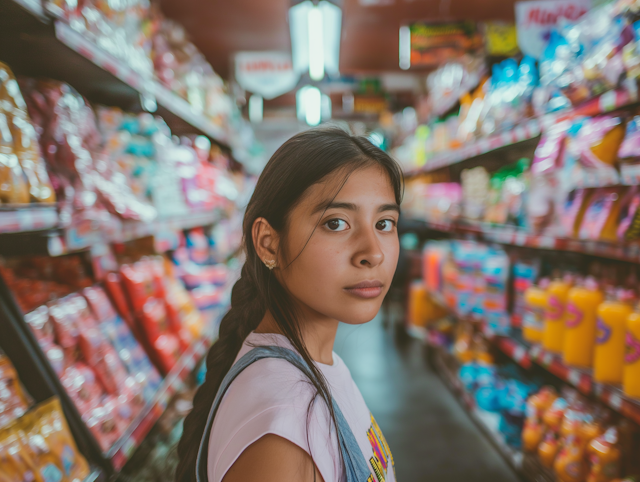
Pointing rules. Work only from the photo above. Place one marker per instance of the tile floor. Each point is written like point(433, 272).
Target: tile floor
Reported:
point(431, 437)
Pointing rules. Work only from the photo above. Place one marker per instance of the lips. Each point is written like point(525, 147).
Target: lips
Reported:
point(366, 289)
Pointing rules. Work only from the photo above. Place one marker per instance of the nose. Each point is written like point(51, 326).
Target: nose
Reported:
point(369, 253)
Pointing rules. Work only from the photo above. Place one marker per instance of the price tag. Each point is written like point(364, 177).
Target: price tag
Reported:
point(573, 377)
point(519, 353)
point(547, 359)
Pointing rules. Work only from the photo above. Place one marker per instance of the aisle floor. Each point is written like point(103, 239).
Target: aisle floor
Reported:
point(431, 437)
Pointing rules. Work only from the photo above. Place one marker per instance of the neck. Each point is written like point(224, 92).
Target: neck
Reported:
point(318, 334)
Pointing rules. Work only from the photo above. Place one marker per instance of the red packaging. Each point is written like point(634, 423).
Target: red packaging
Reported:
point(65, 324)
point(168, 350)
point(41, 326)
point(103, 424)
point(99, 303)
point(114, 288)
point(82, 387)
point(138, 282)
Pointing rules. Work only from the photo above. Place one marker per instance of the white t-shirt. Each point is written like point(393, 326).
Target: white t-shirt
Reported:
point(272, 396)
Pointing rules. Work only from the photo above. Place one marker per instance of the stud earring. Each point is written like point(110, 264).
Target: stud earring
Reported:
point(271, 263)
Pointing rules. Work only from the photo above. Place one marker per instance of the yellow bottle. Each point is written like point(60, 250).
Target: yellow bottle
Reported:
point(608, 357)
point(631, 372)
point(580, 323)
point(535, 298)
point(553, 336)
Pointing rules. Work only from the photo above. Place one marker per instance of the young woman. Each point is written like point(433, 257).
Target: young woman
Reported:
point(321, 247)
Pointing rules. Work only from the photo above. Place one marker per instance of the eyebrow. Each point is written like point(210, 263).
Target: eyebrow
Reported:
point(353, 207)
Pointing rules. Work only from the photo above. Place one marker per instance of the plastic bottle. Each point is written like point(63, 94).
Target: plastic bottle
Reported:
point(554, 316)
point(631, 371)
point(608, 358)
point(536, 303)
point(570, 464)
point(604, 455)
point(580, 323)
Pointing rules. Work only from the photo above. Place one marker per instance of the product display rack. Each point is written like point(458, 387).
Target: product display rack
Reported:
point(526, 354)
point(40, 45)
point(529, 130)
point(447, 367)
point(511, 235)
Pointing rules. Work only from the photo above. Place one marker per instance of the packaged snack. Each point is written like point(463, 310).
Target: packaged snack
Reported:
point(601, 217)
point(81, 385)
point(27, 149)
point(629, 225)
point(65, 324)
point(55, 445)
point(573, 211)
point(13, 400)
point(104, 426)
point(13, 186)
point(599, 140)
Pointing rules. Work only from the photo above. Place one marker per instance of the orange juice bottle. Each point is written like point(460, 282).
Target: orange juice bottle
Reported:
point(570, 464)
point(580, 323)
point(548, 449)
point(608, 358)
point(604, 455)
point(553, 335)
point(631, 371)
point(535, 298)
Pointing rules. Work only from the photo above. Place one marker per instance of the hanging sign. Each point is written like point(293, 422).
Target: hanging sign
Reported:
point(433, 43)
point(268, 74)
point(536, 19)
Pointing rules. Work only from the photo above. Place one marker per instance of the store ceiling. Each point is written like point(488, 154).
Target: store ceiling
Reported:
point(369, 29)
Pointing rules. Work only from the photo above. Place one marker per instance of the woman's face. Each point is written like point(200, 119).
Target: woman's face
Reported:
point(341, 261)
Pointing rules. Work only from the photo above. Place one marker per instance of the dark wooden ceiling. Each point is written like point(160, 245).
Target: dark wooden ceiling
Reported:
point(369, 32)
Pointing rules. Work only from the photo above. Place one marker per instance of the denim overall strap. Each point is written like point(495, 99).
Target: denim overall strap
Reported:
point(356, 468)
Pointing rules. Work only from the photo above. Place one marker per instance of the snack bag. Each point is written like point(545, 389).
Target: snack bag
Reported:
point(15, 460)
point(629, 225)
point(82, 387)
point(601, 216)
point(27, 150)
point(599, 141)
point(104, 426)
point(65, 324)
point(13, 400)
point(55, 431)
point(573, 211)
point(13, 185)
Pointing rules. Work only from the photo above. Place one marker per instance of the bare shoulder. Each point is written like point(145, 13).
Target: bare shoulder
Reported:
point(273, 459)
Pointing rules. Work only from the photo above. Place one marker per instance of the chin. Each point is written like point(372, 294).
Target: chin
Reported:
point(359, 315)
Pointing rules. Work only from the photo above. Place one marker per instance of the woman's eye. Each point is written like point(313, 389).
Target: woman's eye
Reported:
point(336, 225)
point(385, 225)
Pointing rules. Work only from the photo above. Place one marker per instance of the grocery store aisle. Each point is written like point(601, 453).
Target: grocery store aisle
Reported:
point(430, 436)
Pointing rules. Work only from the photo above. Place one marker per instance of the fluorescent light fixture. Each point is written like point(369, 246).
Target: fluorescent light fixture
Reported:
point(315, 38)
point(325, 107)
point(405, 48)
point(256, 108)
point(316, 44)
point(309, 105)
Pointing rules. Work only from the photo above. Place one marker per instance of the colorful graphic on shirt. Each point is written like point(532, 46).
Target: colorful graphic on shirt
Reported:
point(381, 453)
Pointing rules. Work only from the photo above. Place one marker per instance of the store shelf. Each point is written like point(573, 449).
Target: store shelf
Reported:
point(525, 355)
point(30, 217)
point(517, 237)
point(36, 45)
point(487, 421)
point(607, 102)
point(525, 132)
point(138, 430)
point(24, 222)
point(145, 86)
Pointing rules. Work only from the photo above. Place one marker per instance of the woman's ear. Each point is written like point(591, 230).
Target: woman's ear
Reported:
point(265, 240)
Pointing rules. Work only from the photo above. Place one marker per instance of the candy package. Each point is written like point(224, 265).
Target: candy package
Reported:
point(14, 402)
point(602, 215)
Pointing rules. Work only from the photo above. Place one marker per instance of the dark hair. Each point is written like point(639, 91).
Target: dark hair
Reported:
point(302, 161)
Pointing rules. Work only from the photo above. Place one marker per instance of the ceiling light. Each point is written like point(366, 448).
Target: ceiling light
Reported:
point(256, 108)
point(405, 48)
point(309, 105)
point(315, 38)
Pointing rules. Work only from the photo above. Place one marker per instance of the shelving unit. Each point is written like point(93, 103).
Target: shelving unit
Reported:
point(529, 130)
point(513, 236)
point(525, 355)
point(486, 421)
point(34, 43)
point(122, 450)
